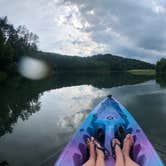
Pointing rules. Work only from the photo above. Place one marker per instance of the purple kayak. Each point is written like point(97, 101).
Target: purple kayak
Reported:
point(108, 115)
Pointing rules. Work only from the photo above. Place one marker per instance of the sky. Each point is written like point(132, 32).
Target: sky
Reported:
point(128, 28)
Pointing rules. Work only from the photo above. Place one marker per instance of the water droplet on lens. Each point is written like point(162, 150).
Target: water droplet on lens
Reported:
point(32, 68)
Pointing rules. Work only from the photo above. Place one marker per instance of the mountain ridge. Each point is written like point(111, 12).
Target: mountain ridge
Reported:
point(96, 62)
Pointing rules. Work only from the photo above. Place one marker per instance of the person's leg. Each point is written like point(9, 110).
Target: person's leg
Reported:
point(128, 142)
point(118, 153)
point(100, 155)
point(92, 157)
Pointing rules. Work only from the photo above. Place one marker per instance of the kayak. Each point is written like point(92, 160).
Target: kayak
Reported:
point(108, 116)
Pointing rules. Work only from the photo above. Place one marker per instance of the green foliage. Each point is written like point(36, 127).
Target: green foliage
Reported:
point(17, 42)
point(161, 72)
point(13, 44)
point(97, 63)
point(150, 72)
point(161, 79)
point(161, 66)
point(3, 76)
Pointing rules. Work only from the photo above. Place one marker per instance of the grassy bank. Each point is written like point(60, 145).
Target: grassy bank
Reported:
point(148, 72)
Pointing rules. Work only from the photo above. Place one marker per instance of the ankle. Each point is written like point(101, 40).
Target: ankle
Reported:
point(92, 155)
point(126, 156)
point(100, 155)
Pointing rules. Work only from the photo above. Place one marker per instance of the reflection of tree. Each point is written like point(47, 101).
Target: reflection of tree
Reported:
point(30, 109)
point(102, 80)
point(11, 114)
point(19, 97)
point(161, 79)
point(16, 103)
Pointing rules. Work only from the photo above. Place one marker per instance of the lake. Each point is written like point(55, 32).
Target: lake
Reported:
point(37, 118)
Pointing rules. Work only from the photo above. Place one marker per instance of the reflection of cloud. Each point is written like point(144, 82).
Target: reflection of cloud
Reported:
point(69, 100)
point(67, 107)
point(70, 123)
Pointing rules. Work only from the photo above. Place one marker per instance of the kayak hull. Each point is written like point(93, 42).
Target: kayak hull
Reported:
point(108, 115)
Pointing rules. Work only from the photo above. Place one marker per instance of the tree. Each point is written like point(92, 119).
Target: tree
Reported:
point(14, 43)
point(161, 66)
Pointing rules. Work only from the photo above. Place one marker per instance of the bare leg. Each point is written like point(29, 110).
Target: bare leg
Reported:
point(100, 156)
point(118, 153)
point(128, 142)
point(92, 157)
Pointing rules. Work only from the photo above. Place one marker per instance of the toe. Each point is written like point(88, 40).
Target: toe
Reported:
point(127, 138)
point(87, 140)
point(92, 139)
point(115, 141)
point(97, 144)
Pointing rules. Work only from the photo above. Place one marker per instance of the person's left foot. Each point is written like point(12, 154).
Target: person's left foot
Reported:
point(91, 146)
point(116, 146)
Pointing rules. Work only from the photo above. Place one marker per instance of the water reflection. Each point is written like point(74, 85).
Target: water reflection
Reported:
point(151, 117)
point(11, 110)
point(19, 98)
point(42, 115)
point(101, 80)
point(161, 79)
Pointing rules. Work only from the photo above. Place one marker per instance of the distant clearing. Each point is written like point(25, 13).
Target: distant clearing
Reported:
point(149, 72)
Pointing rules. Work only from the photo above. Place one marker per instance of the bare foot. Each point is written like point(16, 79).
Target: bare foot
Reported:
point(128, 142)
point(116, 144)
point(100, 153)
point(91, 146)
point(92, 158)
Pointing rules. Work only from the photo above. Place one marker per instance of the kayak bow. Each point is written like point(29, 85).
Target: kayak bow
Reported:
point(109, 115)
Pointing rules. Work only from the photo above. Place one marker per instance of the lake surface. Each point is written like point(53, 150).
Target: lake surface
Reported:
point(37, 118)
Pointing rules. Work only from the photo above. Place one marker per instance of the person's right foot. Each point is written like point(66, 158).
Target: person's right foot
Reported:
point(99, 151)
point(116, 146)
point(127, 144)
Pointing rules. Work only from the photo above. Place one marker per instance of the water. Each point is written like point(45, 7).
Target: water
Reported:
point(37, 118)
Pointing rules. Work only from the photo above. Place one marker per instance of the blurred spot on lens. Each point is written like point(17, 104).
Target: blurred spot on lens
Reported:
point(32, 68)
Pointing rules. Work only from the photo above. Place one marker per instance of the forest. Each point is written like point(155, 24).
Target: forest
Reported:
point(161, 66)
point(14, 43)
point(18, 42)
point(95, 63)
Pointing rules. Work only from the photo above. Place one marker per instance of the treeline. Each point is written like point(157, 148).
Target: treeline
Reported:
point(100, 62)
point(14, 43)
point(161, 66)
point(17, 42)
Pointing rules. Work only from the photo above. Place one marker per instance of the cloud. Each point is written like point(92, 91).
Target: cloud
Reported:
point(134, 29)
point(124, 25)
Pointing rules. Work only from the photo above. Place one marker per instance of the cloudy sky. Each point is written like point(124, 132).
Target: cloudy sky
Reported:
point(134, 29)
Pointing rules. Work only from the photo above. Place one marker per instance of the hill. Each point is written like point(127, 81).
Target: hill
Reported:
point(106, 62)
point(16, 43)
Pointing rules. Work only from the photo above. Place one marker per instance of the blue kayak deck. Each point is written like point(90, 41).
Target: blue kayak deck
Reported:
point(108, 114)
